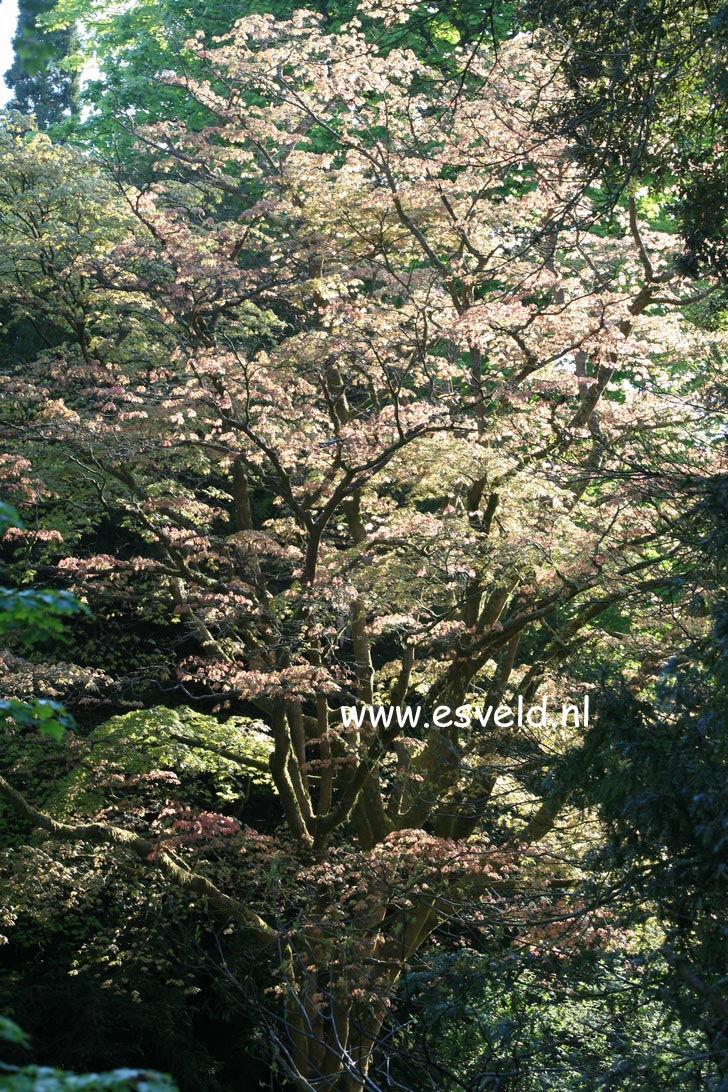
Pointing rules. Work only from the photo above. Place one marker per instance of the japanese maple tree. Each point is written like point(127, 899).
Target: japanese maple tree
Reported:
point(382, 414)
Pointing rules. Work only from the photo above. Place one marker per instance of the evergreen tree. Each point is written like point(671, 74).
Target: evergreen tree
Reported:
point(42, 83)
point(657, 770)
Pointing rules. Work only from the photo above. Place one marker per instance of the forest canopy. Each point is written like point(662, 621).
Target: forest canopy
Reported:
point(371, 358)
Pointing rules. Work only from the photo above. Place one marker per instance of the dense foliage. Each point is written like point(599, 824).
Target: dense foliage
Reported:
point(341, 365)
point(42, 75)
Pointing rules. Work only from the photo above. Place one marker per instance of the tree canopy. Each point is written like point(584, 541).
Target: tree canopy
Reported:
point(42, 75)
point(363, 385)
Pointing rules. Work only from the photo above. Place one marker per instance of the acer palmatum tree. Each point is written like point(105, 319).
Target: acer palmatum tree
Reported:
point(379, 415)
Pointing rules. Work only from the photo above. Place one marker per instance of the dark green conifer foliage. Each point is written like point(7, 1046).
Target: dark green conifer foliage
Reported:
point(658, 773)
point(43, 85)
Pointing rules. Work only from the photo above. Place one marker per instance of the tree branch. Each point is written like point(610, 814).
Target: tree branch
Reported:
point(145, 850)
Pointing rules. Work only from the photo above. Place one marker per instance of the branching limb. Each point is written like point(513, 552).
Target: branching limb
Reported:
point(145, 850)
